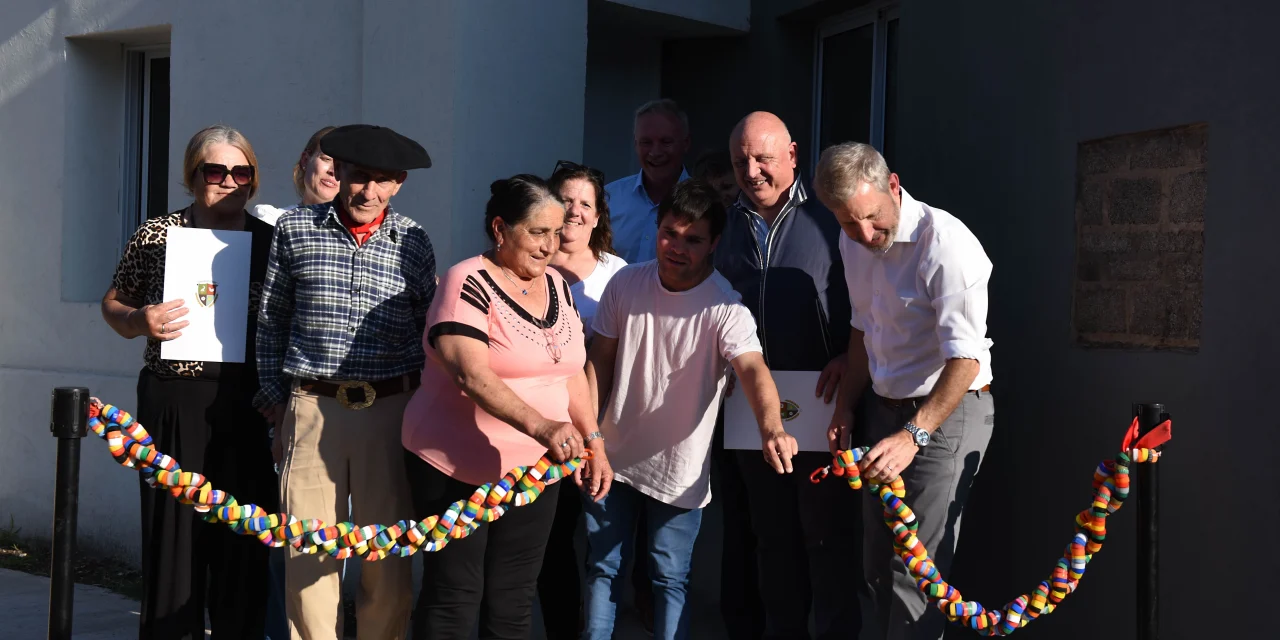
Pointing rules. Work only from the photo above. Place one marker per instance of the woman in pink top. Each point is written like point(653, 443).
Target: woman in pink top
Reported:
point(503, 385)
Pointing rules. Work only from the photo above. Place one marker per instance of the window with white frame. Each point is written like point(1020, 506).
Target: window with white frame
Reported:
point(856, 80)
point(144, 192)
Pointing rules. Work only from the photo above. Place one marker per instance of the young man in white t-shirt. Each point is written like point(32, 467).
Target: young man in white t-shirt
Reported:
point(666, 331)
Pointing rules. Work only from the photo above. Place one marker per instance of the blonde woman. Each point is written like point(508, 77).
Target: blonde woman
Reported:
point(199, 412)
point(313, 179)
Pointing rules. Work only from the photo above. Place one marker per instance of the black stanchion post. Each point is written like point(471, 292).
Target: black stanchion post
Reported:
point(68, 420)
point(1149, 417)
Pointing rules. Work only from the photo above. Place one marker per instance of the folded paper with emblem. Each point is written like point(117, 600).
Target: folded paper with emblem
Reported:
point(209, 270)
point(803, 416)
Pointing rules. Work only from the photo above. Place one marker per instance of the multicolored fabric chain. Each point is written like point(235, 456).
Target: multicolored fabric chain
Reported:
point(132, 447)
point(1110, 488)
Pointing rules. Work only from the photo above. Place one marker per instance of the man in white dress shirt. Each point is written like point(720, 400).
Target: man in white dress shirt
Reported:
point(918, 288)
point(661, 142)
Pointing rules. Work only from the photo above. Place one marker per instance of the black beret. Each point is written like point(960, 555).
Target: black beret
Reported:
point(375, 147)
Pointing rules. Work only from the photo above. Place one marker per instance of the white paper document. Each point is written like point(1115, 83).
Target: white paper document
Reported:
point(210, 271)
point(803, 416)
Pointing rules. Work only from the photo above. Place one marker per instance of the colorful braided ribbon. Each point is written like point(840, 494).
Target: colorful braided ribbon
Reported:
point(1110, 488)
point(132, 447)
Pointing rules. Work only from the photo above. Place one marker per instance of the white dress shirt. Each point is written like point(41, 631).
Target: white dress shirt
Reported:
point(270, 214)
point(634, 218)
point(922, 302)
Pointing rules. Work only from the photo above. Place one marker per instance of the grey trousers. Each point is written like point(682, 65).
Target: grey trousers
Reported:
point(938, 483)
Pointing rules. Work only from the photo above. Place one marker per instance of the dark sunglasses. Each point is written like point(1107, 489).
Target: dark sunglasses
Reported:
point(565, 165)
point(242, 174)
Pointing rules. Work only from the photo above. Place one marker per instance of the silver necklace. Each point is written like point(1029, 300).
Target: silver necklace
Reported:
point(552, 348)
point(524, 291)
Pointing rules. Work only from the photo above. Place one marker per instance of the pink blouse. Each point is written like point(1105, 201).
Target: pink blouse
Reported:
point(442, 424)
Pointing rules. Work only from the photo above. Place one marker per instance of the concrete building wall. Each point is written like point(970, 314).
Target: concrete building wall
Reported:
point(520, 99)
point(487, 97)
point(734, 14)
point(45, 342)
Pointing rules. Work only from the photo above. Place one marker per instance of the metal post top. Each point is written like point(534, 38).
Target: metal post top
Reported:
point(1149, 415)
point(69, 412)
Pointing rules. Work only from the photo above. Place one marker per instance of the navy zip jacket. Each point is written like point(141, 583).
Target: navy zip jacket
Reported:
point(800, 301)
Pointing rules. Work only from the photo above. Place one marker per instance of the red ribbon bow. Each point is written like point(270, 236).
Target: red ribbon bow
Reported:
point(1153, 438)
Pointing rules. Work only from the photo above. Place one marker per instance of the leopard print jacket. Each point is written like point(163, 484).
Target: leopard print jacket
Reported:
point(140, 276)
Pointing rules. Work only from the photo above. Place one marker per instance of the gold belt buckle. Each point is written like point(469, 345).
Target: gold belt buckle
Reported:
point(369, 395)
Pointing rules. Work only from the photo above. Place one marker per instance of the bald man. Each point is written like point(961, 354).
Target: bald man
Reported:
point(780, 250)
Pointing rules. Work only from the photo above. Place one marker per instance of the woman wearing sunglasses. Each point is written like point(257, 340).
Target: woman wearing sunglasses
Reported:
point(199, 412)
point(587, 262)
point(313, 179)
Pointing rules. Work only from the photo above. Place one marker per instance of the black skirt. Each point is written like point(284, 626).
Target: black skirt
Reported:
point(208, 426)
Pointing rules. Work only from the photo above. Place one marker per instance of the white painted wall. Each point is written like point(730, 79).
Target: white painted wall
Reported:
point(490, 88)
point(45, 342)
point(255, 69)
point(519, 100)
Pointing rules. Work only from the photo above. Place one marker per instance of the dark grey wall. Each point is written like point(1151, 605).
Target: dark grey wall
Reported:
point(995, 97)
point(720, 80)
point(622, 73)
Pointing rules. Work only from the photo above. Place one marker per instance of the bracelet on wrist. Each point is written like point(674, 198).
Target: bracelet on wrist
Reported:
point(594, 435)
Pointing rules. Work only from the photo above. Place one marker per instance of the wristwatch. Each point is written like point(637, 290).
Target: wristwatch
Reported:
point(921, 436)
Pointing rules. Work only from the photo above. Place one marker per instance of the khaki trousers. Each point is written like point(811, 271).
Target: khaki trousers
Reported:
point(331, 452)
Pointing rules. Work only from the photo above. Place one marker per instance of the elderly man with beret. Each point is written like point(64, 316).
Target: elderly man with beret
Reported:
point(339, 350)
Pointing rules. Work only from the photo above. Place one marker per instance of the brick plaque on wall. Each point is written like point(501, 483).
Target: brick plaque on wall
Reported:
point(1140, 239)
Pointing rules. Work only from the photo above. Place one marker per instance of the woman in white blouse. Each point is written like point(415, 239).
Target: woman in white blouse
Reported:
point(586, 258)
point(587, 262)
point(315, 183)
point(313, 180)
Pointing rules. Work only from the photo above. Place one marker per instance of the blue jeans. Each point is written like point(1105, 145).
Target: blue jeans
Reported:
point(610, 529)
point(277, 621)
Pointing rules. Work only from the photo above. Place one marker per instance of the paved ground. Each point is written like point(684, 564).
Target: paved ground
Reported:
point(98, 614)
point(103, 615)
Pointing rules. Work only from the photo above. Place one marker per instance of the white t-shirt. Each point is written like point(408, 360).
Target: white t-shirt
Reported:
point(586, 293)
point(673, 352)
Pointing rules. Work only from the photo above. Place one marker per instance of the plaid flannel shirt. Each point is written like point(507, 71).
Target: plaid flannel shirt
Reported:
point(335, 310)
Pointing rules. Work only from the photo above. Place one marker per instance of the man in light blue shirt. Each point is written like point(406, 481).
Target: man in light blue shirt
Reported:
point(662, 140)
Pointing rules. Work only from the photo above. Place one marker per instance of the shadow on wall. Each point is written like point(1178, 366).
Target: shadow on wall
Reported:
point(34, 49)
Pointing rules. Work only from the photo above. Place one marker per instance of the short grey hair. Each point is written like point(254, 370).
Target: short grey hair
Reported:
point(844, 166)
point(666, 107)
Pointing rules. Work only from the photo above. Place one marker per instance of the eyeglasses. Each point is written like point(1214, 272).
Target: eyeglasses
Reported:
point(242, 174)
point(566, 165)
